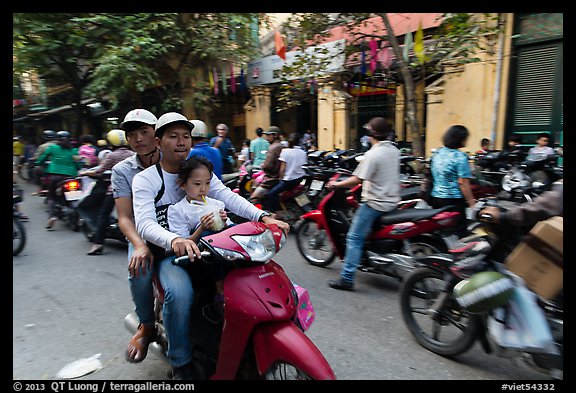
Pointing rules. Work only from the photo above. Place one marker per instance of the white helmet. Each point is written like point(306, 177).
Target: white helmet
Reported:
point(171, 118)
point(200, 129)
point(139, 116)
point(117, 138)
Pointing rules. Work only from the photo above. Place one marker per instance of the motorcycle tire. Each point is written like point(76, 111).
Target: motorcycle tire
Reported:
point(452, 332)
point(18, 236)
point(25, 172)
point(309, 239)
point(282, 371)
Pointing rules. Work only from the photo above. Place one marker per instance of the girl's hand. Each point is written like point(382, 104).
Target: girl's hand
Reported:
point(207, 220)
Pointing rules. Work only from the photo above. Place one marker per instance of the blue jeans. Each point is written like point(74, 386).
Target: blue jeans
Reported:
point(359, 231)
point(178, 298)
point(176, 310)
point(272, 201)
point(142, 292)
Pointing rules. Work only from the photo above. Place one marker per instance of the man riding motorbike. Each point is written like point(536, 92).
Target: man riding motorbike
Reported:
point(379, 174)
point(154, 189)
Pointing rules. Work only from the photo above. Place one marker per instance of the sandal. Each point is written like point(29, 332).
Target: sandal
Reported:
point(139, 343)
point(96, 249)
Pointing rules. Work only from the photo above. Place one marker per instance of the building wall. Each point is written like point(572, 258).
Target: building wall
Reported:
point(467, 95)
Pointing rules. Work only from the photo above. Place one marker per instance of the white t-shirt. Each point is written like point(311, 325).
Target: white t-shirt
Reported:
point(184, 217)
point(295, 158)
point(145, 187)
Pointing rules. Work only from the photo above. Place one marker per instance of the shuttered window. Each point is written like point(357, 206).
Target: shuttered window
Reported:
point(535, 87)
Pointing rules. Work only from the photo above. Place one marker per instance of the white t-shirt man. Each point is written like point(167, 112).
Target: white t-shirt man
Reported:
point(295, 158)
point(380, 172)
point(145, 188)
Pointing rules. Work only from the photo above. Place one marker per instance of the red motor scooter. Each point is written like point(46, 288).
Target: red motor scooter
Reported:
point(397, 238)
point(260, 335)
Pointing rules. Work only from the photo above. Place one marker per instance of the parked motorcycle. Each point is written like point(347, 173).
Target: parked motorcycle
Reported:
point(261, 335)
point(534, 175)
point(444, 322)
point(245, 182)
point(18, 230)
point(397, 237)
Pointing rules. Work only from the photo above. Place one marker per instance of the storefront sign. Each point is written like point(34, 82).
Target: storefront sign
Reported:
point(267, 69)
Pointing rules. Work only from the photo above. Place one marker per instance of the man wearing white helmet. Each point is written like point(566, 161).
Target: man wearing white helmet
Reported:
point(154, 190)
point(138, 126)
point(120, 151)
point(200, 147)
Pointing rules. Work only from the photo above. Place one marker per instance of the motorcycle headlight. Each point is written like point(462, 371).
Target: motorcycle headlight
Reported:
point(260, 248)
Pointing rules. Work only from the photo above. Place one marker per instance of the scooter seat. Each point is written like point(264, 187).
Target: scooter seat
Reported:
point(402, 215)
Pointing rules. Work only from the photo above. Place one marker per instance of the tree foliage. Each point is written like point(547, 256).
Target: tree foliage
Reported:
point(118, 56)
point(457, 41)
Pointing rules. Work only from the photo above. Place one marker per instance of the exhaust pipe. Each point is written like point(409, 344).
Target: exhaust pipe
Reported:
point(131, 324)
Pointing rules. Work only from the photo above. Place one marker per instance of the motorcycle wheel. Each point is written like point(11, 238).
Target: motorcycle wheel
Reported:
point(314, 244)
point(25, 172)
point(18, 236)
point(283, 371)
point(454, 330)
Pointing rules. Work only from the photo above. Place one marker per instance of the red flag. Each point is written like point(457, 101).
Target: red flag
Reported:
point(280, 45)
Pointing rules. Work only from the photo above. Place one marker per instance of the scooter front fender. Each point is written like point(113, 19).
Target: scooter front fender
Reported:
point(284, 341)
point(314, 216)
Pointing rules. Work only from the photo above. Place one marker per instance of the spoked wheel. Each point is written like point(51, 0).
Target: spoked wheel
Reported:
point(282, 371)
point(18, 236)
point(25, 172)
point(423, 246)
point(314, 244)
point(448, 332)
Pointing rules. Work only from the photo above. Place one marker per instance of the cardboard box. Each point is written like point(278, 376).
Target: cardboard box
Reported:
point(539, 258)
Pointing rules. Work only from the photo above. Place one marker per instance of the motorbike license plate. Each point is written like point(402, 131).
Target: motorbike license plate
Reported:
point(302, 200)
point(317, 185)
point(72, 195)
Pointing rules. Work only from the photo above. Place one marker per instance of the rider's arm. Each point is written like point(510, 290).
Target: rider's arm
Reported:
point(145, 187)
point(281, 170)
point(233, 202)
point(126, 221)
point(346, 183)
point(44, 155)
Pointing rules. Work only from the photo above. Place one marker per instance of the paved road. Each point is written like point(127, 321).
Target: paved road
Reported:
point(68, 306)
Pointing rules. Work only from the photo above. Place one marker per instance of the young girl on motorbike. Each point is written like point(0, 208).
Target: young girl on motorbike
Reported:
point(193, 216)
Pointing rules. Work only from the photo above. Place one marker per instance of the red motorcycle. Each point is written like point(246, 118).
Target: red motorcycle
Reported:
point(397, 239)
point(293, 202)
point(261, 334)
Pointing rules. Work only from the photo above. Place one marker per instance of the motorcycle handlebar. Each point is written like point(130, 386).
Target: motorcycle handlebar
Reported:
point(185, 260)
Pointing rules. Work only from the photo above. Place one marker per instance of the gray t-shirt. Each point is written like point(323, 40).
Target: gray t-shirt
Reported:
point(380, 172)
point(122, 175)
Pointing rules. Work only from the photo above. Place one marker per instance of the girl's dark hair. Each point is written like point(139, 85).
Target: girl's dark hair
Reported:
point(455, 137)
point(192, 163)
point(87, 138)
